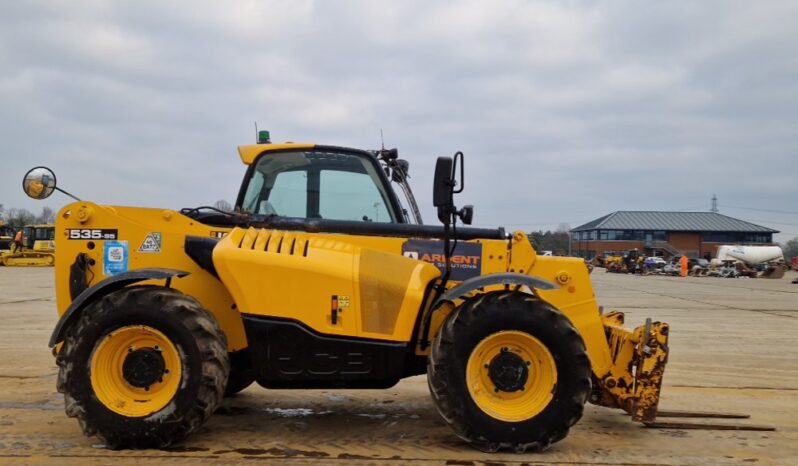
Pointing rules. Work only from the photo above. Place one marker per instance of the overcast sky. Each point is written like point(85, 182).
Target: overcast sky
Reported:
point(565, 111)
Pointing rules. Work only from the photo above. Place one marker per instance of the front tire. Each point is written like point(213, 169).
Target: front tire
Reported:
point(508, 370)
point(143, 367)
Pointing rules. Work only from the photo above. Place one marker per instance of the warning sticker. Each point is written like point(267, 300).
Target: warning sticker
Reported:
point(343, 301)
point(151, 243)
point(115, 255)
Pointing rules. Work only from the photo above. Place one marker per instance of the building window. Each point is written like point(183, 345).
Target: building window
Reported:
point(622, 235)
point(731, 237)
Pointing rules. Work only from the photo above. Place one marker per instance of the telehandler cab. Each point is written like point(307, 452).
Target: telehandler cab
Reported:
point(320, 278)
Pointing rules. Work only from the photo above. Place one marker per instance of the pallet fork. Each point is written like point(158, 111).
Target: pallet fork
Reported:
point(635, 379)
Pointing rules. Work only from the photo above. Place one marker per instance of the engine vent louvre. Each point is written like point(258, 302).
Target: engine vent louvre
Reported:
point(275, 242)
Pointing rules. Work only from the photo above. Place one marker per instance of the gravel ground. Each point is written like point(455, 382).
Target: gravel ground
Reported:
point(733, 348)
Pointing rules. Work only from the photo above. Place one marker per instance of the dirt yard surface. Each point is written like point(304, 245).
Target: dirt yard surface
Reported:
point(734, 347)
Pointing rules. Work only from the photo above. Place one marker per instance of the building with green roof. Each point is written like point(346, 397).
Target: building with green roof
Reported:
point(695, 234)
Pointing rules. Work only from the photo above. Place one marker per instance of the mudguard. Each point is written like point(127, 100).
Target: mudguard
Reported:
point(109, 285)
point(508, 278)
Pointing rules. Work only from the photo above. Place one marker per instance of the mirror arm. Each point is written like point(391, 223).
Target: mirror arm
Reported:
point(70, 195)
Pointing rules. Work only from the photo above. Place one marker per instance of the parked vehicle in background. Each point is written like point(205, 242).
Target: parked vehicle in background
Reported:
point(726, 269)
point(655, 262)
point(672, 268)
point(698, 266)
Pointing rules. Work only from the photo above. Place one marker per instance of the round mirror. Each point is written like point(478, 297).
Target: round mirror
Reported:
point(39, 182)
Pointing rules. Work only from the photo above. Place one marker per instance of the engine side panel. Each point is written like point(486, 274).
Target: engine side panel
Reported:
point(333, 286)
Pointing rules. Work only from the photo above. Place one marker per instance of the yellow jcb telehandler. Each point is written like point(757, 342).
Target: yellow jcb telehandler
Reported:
point(323, 278)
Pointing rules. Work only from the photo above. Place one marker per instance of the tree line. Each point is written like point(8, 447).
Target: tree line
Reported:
point(15, 218)
point(555, 241)
point(790, 249)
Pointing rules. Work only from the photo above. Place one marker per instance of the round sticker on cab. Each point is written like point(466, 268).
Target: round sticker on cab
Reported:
point(115, 254)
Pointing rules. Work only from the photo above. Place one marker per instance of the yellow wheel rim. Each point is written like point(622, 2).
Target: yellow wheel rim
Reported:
point(116, 391)
point(526, 392)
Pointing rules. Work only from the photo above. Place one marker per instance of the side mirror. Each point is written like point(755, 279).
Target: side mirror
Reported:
point(39, 183)
point(442, 189)
point(442, 184)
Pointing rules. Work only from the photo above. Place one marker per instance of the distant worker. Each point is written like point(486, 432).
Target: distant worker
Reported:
point(17, 242)
point(683, 261)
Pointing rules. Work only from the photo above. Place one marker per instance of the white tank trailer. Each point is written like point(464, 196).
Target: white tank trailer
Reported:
point(752, 256)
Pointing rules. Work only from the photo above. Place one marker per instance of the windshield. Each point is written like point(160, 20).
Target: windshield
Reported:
point(318, 184)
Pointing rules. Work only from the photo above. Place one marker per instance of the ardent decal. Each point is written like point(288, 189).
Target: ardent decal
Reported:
point(466, 262)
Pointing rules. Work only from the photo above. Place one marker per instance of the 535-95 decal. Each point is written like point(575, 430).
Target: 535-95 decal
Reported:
point(96, 233)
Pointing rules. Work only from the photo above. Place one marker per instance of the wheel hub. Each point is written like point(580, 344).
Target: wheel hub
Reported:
point(508, 371)
point(143, 367)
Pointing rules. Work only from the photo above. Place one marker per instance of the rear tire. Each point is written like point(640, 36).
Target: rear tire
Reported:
point(123, 399)
point(536, 405)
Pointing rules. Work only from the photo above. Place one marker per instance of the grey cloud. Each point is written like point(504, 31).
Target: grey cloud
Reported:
point(565, 110)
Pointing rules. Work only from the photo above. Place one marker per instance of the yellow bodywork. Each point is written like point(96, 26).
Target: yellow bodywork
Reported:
point(357, 286)
point(133, 225)
point(296, 275)
point(251, 152)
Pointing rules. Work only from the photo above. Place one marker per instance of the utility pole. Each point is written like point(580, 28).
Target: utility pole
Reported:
point(714, 208)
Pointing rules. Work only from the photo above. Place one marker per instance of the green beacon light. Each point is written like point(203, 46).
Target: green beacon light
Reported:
point(264, 137)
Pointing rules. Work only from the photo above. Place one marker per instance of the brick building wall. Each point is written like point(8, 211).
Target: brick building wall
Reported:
point(688, 243)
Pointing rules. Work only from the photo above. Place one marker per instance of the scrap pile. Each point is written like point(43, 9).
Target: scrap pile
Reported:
point(731, 262)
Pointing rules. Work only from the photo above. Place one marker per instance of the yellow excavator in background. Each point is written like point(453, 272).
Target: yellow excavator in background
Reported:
point(6, 238)
point(37, 247)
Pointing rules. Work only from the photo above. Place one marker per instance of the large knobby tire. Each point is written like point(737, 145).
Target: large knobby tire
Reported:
point(143, 367)
point(477, 378)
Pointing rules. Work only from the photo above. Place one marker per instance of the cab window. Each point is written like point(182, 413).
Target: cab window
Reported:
point(318, 184)
point(289, 195)
point(351, 196)
point(47, 234)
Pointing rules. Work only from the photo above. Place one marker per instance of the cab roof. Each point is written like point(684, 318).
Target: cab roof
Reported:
point(250, 152)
